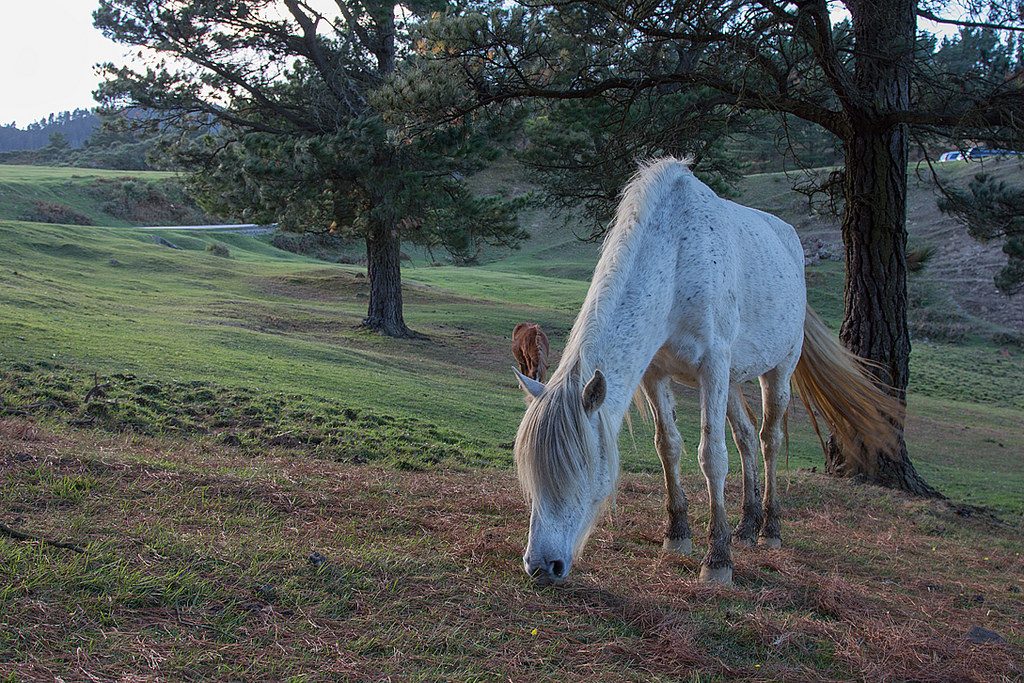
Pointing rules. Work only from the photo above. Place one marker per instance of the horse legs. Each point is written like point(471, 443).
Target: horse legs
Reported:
point(521, 360)
point(714, 462)
point(744, 434)
point(669, 443)
point(775, 393)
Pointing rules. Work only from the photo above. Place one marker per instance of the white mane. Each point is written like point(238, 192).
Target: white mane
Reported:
point(553, 448)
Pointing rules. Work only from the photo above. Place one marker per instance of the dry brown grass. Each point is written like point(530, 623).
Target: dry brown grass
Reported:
point(423, 578)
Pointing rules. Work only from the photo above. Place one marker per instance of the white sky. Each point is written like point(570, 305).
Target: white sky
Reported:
point(48, 50)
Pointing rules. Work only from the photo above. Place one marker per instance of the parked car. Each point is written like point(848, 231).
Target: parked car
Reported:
point(977, 153)
point(982, 152)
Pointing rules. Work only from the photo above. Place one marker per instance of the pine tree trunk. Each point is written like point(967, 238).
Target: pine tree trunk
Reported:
point(875, 323)
point(874, 220)
point(383, 269)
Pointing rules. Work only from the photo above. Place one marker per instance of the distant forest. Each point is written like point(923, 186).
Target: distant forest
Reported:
point(93, 139)
point(76, 127)
point(84, 138)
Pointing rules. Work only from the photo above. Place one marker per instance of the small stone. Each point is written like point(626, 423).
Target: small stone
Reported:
point(231, 440)
point(316, 559)
point(266, 592)
point(165, 243)
point(982, 636)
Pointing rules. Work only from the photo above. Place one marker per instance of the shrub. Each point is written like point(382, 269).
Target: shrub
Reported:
point(918, 258)
point(325, 247)
point(218, 249)
point(163, 202)
point(51, 212)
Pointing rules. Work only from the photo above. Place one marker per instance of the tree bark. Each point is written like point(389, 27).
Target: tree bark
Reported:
point(874, 221)
point(875, 322)
point(383, 270)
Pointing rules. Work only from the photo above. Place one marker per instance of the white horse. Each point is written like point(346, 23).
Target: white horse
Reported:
point(693, 288)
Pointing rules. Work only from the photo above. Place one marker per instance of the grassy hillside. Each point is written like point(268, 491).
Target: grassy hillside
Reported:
point(85, 299)
point(953, 297)
point(93, 196)
point(264, 492)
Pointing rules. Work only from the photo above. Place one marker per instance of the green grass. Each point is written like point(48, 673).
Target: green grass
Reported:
point(90, 300)
point(283, 327)
point(22, 186)
point(242, 422)
point(199, 564)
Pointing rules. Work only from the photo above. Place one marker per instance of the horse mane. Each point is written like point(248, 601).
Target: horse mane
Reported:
point(653, 180)
point(554, 450)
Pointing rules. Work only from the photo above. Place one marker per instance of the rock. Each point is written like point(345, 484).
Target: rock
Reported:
point(267, 592)
point(231, 440)
point(113, 262)
point(165, 243)
point(316, 559)
point(982, 636)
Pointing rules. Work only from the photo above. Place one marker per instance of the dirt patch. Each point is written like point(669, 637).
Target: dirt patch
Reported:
point(318, 285)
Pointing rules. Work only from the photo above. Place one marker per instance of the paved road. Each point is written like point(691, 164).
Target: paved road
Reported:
point(243, 228)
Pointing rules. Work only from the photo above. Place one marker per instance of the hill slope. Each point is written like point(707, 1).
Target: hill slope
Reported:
point(263, 492)
point(95, 197)
point(86, 299)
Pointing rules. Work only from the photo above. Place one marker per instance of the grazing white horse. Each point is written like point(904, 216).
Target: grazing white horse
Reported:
point(693, 288)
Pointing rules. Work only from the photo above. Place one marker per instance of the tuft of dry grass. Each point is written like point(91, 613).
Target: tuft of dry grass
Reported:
point(197, 567)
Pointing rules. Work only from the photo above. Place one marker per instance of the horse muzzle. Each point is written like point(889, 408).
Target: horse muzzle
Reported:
point(546, 571)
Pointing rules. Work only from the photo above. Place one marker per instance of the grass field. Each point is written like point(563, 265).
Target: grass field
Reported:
point(242, 422)
point(207, 562)
point(87, 194)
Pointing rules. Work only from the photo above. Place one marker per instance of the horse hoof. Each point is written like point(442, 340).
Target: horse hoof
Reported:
point(773, 543)
point(677, 546)
point(720, 575)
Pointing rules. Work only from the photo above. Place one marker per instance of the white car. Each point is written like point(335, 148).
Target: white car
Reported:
point(978, 153)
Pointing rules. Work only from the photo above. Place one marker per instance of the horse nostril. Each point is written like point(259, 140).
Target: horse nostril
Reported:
point(557, 569)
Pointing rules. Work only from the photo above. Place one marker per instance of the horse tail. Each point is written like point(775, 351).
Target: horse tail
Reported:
point(855, 405)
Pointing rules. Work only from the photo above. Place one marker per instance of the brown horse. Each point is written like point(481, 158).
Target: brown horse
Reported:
point(530, 349)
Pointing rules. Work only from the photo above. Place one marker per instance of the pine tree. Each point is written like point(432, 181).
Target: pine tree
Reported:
point(295, 132)
point(993, 210)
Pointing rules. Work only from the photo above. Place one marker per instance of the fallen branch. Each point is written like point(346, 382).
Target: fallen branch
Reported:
point(98, 390)
point(21, 536)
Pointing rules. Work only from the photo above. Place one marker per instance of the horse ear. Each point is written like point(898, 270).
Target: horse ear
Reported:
point(532, 387)
point(594, 393)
